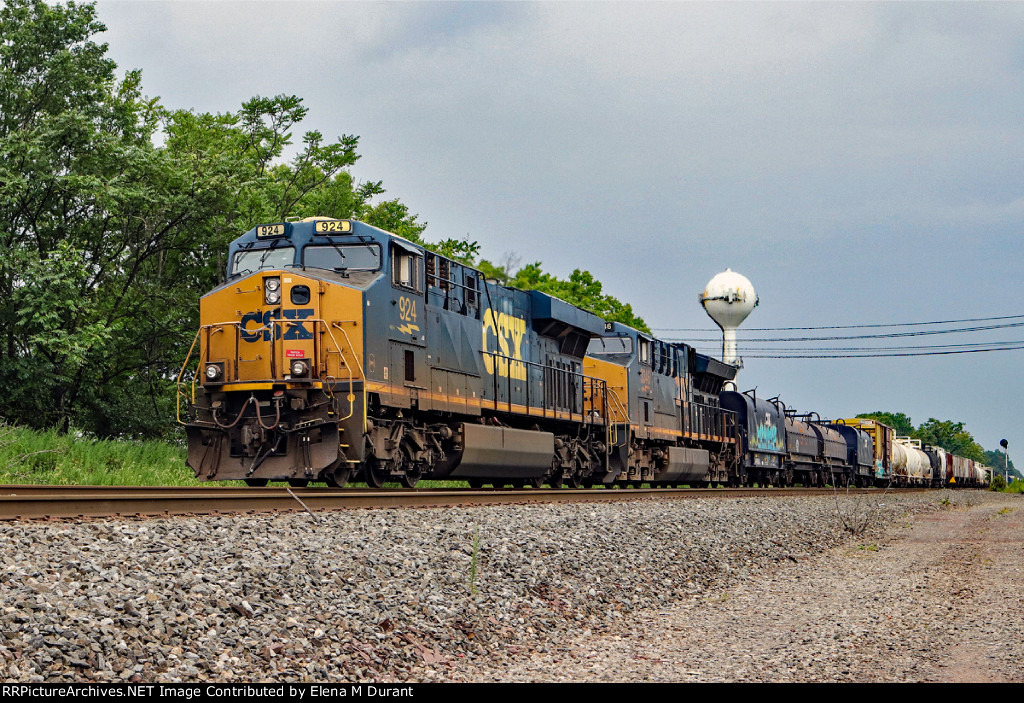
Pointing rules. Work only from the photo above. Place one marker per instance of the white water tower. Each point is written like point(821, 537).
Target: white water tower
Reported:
point(728, 298)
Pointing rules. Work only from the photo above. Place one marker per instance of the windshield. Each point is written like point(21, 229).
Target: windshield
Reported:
point(607, 346)
point(351, 257)
point(255, 259)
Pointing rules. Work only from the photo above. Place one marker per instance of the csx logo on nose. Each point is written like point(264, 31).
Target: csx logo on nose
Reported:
point(265, 331)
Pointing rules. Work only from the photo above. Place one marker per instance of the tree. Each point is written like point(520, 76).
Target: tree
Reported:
point(952, 437)
point(582, 290)
point(997, 459)
point(109, 239)
point(86, 205)
point(110, 235)
point(901, 424)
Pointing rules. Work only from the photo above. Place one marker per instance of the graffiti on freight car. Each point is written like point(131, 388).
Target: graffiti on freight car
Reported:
point(767, 436)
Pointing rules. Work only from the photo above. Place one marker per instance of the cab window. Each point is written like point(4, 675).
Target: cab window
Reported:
point(266, 258)
point(405, 268)
point(349, 257)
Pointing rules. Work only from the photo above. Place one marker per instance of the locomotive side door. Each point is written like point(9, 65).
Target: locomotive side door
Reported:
point(407, 326)
point(645, 389)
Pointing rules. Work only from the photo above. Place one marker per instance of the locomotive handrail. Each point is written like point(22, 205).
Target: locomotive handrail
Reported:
point(720, 417)
point(271, 326)
point(587, 414)
point(359, 365)
point(613, 438)
point(178, 382)
point(199, 363)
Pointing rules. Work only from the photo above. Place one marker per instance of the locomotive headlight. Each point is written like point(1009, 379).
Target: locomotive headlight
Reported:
point(272, 290)
point(299, 368)
point(213, 372)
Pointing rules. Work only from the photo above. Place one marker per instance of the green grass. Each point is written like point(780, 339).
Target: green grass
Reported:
point(55, 459)
point(51, 458)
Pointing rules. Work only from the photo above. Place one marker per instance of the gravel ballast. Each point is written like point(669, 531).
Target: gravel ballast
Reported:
point(527, 593)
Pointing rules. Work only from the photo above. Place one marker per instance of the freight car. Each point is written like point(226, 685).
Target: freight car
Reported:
point(336, 351)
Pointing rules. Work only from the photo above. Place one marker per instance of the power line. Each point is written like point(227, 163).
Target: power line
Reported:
point(844, 327)
point(875, 355)
point(797, 350)
point(891, 335)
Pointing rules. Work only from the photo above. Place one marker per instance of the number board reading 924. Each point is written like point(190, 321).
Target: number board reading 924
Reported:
point(332, 226)
point(269, 230)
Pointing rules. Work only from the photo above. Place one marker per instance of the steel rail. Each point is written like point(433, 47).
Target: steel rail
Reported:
point(50, 502)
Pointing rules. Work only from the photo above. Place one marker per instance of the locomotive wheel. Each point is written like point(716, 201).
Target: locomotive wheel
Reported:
point(573, 480)
point(475, 482)
point(256, 482)
point(298, 482)
point(338, 479)
point(410, 481)
point(536, 482)
point(373, 473)
point(557, 481)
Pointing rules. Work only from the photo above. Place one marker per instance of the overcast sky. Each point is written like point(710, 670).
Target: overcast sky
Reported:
point(859, 163)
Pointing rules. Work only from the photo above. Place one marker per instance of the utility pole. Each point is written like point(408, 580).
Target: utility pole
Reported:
point(1006, 460)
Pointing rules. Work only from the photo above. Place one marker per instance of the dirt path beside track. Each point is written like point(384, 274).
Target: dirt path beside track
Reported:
point(939, 599)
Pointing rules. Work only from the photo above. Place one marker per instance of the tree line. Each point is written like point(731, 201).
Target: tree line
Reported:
point(951, 436)
point(116, 212)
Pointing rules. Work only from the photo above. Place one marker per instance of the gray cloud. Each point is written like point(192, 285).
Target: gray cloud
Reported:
point(859, 162)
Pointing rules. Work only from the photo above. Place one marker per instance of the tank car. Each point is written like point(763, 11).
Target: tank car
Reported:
point(918, 465)
point(942, 466)
point(982, 475)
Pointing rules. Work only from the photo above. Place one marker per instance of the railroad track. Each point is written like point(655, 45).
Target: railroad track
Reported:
point(55, 502)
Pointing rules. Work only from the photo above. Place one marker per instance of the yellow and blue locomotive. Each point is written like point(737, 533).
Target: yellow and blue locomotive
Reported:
point(336, 350)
